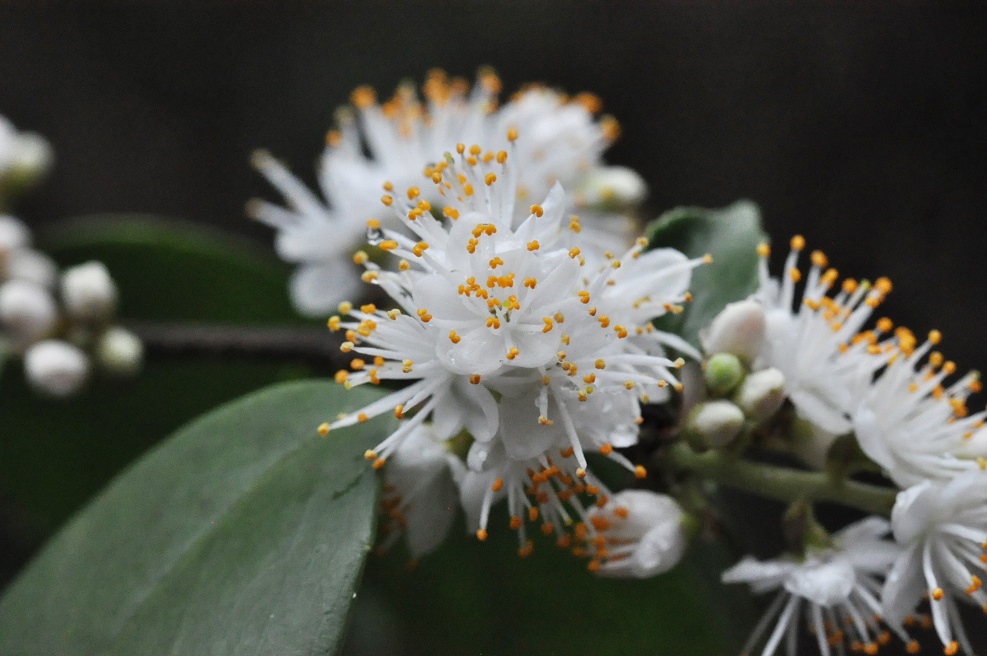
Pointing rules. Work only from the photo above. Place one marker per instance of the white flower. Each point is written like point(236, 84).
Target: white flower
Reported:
point(88, 291)
point(55, 367)
point(485, 308)
point(559, 141)
point(27, 310)
point(912, 425)
point(943, 529)
point(818, 346)
point(421, 498)
point(613, 186)
point(31, 265)
point(835, 589)
point(714, 423)
point(643, 534)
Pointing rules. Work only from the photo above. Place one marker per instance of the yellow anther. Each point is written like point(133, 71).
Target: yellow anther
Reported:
point(370, 454)
point(544, 421)
point(819, 259)
point(495, 262)
point(490, 178)
point(450, 212)
point(797, 243)
point(413, 193)
point(346, 347)
point(453, 337)
point(512, 134)
point(387, 200)
point(574, 252)
point(399, 411)
point(707, 258)
point(548, 324)
point(362, 417)
point(512, 353)
point(360, 257)
point(419, 248)
point(481, 534)
point(324, 428)
point(368, 308)
point(341, 376)
point(937, 594)
point(393, 314)
point(475, 379)
point(795, 275)
point(601, 364)
point(388, 245)
point(533, 245)
point(334, 323)
point(537, 210)
point(363, 97)
point(935, 337)
point(606, 449)
point(640, 472)
point(497, 484)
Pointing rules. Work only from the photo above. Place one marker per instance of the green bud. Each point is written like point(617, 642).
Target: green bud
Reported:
point(723, 372)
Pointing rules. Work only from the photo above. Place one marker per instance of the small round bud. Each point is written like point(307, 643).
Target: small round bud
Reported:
point(722, 373)
point(761, 394)
point(613, 186)
point(120, 352)
point(31, 159)
point(31, 265)
point(713, 424)
point(27, 309)
point(13, 233)
point(738, 329)
point(88, 291)
point(56, 368)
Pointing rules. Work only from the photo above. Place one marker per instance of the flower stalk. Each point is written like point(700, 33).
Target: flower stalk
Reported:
point(779, 483)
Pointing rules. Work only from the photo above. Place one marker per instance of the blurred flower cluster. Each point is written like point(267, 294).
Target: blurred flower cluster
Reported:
point(62, 323)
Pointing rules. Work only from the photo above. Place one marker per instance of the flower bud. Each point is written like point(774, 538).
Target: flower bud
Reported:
point(644, 532)
point(713, 424)
point(31, 159)
point(120, 352)
point(761, 394)
point(13, 233)
point(26, 309)
point(31, 265)
point(722, 373)
point(56, 368)
point(88, 291)
point(737, 329)
point(613, 186)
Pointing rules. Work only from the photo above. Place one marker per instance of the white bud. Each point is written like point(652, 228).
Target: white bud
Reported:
point(88, 291)
point(738, 329)
point(13, 233)
point(761, 394)
point(646, 529)
point(120, 352)
point(55, 367)
point(26, 309)
point(714, 424)
point(33, 266)
point(613, 186)
point(31, 157)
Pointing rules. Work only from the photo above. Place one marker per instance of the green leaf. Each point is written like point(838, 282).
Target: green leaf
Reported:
point(244, 533)
point(482, 595)
point(731, 236)
point(166, 270)
point(172, 270)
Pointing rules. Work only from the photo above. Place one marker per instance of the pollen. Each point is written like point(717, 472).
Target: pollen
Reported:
point(324, 428)
point(797, 243)
point(490, 178)
point(640, 472)
point(481, 534)
point(512, 353)
point(533, 245)
point(419, 248)
point(341, 376)
point(360, 257)
point(537, 210)
point(453, 337)
point(937, 594)
point(512, 134)
point(475, 379)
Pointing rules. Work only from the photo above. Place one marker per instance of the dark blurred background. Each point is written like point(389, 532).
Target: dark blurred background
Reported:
point(860, 125)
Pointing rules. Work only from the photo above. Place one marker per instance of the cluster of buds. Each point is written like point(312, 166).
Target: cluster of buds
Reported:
point(734, 399)
point(60, 322)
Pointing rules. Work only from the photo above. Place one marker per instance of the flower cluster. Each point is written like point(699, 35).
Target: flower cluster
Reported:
point(888, 391)
point(504, 329)
point(393, 141)
point(518, 343)
point(57, 321)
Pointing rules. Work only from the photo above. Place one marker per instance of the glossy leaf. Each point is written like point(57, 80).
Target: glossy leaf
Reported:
point(731, 236)
point(244, 533)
